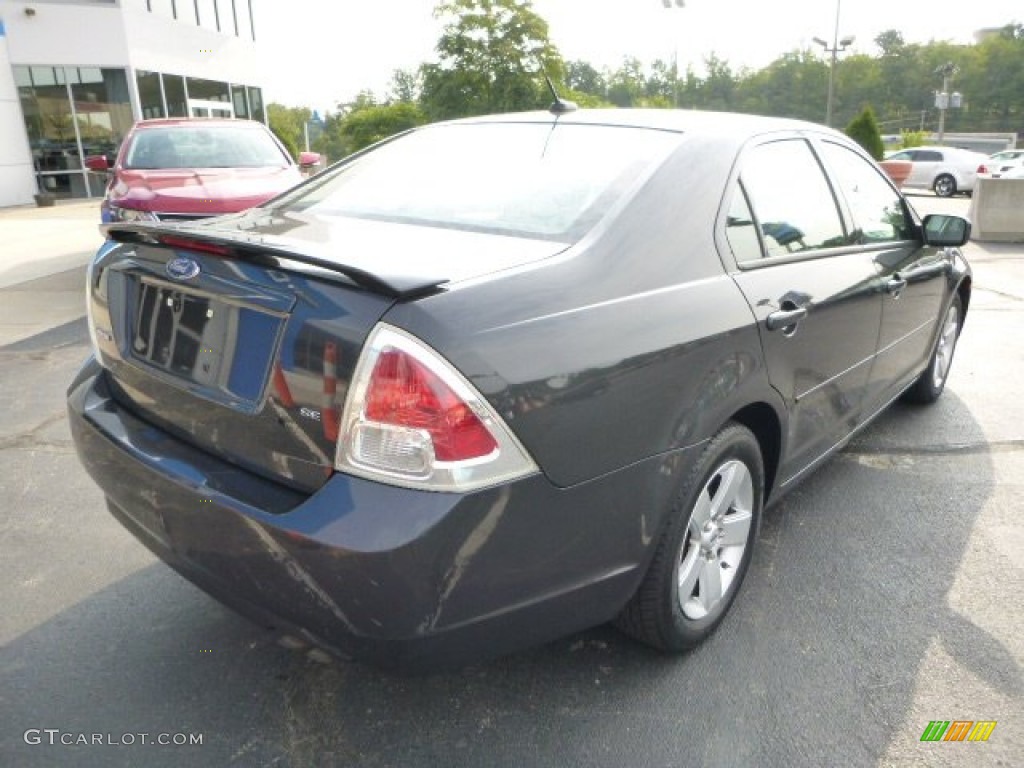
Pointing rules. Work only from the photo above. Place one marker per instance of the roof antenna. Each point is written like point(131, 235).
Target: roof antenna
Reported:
point(559, 106)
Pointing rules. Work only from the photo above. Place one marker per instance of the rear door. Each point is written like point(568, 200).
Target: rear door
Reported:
point(813, 292)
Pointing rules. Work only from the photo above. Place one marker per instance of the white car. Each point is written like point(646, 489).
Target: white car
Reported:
point(946, 170)
point(1014, 172)
point(1001, 163)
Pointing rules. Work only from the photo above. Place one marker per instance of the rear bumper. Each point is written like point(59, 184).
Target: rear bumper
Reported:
point(389, 575)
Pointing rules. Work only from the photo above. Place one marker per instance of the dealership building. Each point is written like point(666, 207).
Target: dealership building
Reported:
point(76, 74)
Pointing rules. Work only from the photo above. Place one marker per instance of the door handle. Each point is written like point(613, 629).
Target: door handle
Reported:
point(895, 285)
point(785, 318)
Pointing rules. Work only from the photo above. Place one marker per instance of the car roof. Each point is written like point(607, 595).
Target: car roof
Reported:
point(163, 122)
point(677, 120)
point(944, 148)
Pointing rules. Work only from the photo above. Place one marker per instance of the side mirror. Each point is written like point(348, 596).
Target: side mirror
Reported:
point(97, 163)
point(308, 159)
point(945, 231)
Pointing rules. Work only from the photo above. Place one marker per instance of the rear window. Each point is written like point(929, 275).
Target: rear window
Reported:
point(245, 145)
point(525, 179)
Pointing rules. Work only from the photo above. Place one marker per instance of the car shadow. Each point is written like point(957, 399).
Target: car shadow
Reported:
point(814, 665)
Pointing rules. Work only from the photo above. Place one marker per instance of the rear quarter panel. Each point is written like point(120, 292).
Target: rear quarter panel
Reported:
point(631, 344)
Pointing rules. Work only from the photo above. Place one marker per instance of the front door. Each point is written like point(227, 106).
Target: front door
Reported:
point(813, 292)
point(913, 277)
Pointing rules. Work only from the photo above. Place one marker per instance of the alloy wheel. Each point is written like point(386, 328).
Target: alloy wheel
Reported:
point(946, 346)
point(717, 536)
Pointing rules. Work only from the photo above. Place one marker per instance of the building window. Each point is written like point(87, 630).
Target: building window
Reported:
point(177, 101)
point(208, 90)
point(256, 104)
point(238, 99)
point(150, 98)
point(69, 113)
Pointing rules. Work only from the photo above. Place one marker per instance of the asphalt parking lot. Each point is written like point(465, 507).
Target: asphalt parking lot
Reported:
point(884, 593)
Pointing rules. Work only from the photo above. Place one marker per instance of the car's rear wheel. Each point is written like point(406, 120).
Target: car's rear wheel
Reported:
point(931, 383)
point(944, 186)
point(705, 549)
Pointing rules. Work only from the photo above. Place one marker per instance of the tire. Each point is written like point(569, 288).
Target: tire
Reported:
point(705, 548)
point(944, 185)
point(932, 381)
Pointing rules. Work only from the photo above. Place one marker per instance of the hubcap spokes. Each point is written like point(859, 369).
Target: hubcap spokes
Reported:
point(716, 539)
point(946, 347)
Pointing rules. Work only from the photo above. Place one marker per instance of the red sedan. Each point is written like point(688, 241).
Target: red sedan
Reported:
point(192, 169)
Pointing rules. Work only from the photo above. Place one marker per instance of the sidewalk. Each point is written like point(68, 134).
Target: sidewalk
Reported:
point(42, 266)
point(43, 241)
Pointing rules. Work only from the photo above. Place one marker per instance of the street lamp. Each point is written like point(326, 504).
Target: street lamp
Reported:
point(670, 4)
point(838, 46)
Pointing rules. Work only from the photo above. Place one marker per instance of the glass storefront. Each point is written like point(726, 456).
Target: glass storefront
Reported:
point(208, 90)
point(239, 101)
point(150, 98)
point(256, 105)
point(177, 99)
point(72, 112)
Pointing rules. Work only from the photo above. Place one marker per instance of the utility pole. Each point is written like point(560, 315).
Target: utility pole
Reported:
point(944, 99)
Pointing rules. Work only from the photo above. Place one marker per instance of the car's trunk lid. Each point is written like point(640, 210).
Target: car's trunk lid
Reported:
point(244, 343)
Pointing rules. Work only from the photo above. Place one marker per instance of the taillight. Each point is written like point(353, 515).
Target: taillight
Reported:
point(411, 419)
point(405, 393)
point(982, 169)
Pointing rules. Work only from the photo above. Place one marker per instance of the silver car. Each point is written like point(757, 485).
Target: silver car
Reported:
point(1009, 161)
point(945, 170)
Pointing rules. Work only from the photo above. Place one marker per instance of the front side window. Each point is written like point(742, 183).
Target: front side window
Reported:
point(877, 209)
point(525, 179)
point(791, 199)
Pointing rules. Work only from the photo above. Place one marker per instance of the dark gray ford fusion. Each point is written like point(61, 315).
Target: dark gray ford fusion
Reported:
point(502, 379)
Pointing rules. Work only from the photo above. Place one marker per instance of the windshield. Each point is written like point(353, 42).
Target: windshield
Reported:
point(526, 179)
point(245, 145)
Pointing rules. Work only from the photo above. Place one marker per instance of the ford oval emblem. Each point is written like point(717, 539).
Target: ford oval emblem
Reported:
point(182, 268)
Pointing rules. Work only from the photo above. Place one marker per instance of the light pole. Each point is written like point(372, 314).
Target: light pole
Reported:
point(837, 47)
point(670, 4)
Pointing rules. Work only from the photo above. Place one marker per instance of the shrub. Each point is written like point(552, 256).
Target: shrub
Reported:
point(864, 130)
point(913, 139)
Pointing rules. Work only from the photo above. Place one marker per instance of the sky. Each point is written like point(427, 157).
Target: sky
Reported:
point(320, 52)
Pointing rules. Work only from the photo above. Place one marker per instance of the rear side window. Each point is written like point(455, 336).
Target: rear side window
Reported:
point(741, 230)
point(526, 179)
point(791, 200)
point(877, 209)
point(927, 156)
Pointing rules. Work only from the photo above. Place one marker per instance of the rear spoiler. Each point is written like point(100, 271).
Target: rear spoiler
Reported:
point(248, 247)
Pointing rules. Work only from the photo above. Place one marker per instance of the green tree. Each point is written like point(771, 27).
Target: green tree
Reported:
point(582, 77)
point(370, 124)
point(627, 84)
point(405, 86)
point(288, 125)
point(864, 130)
point(492, 57)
